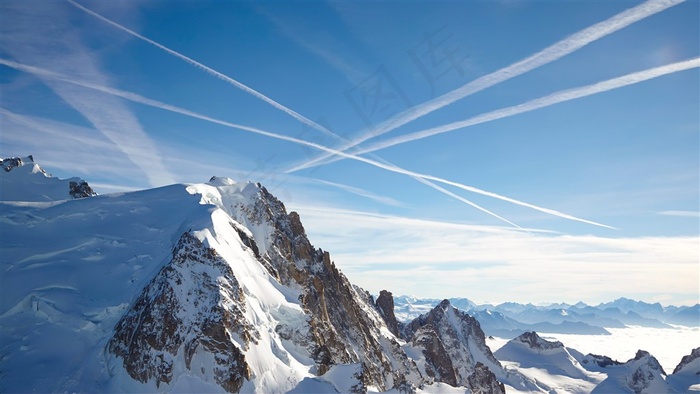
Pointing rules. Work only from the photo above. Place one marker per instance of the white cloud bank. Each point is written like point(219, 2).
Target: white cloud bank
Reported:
point(495, 264)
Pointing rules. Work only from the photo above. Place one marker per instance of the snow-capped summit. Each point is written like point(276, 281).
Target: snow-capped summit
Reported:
point(533, 353)
point(537, 343)
point(215, 287)
point(24, 180)
point(454, 349)
point(691, 362)
point(686, 375)
point(641, 375)
point(197, 288)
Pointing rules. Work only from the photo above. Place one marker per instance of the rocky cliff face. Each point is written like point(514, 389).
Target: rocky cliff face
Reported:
point(343, 325)
point(455, 350)
point(207, 284)
point(646, 370)
point(641, 375)
point(190, 314)
point(600, 361)
point(385, 306)
point(687, 360)
point(535, 342)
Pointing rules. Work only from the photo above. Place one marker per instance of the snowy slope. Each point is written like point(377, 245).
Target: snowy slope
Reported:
point(686, 375)
point(70, 269)
point(214, 287)
point(186, 288)
point(550, 364)
point(641, 375)
point(21, 179)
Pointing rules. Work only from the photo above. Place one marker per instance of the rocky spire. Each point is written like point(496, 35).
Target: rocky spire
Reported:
point(385, 306)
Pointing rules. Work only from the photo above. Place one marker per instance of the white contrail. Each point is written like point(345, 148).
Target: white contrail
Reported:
point(555, 98)
point(561, 48)
point(389, 167)
point(464, 200)
point(209, 70)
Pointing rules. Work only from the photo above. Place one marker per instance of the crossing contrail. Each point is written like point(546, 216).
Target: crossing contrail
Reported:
point(559, 49)
point(555, 98)
point(386, 166)
point(209, 70)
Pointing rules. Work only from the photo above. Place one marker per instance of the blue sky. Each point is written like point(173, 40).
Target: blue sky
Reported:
point(576, 176)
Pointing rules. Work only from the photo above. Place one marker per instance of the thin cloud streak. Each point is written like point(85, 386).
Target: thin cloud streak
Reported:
point(685, 214)
point(539, 59)
point(464, 200)
point(360, 192)
point(541, 102)
point(43, 35)
point(153, 103)
point(305, 41)
point(92, 155)
point(209, 70)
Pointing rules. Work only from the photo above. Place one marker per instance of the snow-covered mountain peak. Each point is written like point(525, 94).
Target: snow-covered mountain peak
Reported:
point(686, 375)
point(535, 342)
point(454, 348)
point(22, 179)
point(27, 162)
point(645, 358)
point(690, 361)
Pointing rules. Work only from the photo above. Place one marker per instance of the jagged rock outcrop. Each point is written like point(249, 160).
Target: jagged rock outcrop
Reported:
point(686, 374)
point(641, 375)
point(385, 306)
point(644, 374)
point(687, 359)
point(535, 342)
point(22, 174)
point(483, 381)
point(80, 189)
point(344, 327)
point(453, 344)
point(647, 360)
point(600, 361)
point(193, 305)
point(12, 162)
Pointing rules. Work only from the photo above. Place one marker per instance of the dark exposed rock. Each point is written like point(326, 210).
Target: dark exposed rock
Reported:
point(651, 361)
point(483, 381)
point(10, 163)
point(385, 306)
point(440, 367)
point(687, 359)
point(80, 189)
point(535, 342)
point(601, 361)
point(646, 371)
point(341, 329)
point(181, 309)
point(450, 339)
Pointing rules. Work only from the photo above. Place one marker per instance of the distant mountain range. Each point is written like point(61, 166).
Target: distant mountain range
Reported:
point(511, 319)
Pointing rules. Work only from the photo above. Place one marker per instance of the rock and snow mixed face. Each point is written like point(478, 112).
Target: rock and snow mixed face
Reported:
point(641, 375)
point(451, 348)
point(24, 180)
point(204, 287)
point(215, 287)
point(686, 375)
